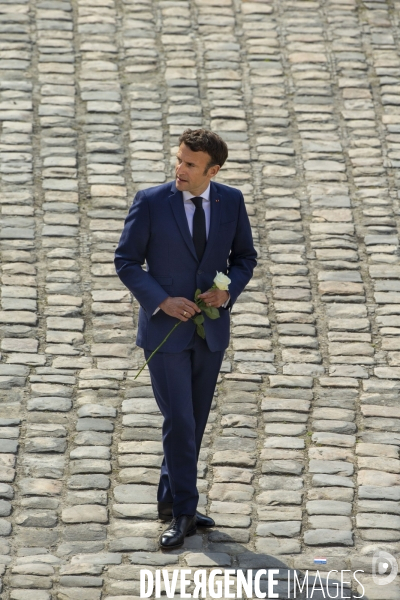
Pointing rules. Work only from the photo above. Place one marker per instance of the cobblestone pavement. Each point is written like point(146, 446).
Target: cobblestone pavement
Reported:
point(300, 457)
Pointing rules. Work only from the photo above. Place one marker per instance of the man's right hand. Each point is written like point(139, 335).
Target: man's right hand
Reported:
point(180, 308)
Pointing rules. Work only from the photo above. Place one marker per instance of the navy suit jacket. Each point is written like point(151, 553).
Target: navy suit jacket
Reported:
point(156, 231)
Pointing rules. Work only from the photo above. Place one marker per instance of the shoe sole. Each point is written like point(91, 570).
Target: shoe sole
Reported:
point(189, 534)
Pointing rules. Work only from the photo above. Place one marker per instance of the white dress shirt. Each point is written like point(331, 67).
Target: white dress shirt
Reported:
point(189, 210)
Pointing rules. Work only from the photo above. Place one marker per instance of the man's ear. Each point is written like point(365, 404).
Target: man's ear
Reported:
point(212, 171)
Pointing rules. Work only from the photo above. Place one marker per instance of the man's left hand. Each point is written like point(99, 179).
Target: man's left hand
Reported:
point(214, 297)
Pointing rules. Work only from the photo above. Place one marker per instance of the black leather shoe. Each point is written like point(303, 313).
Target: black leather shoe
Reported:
point(179, 528)
point(165, 514)
point(204, 521)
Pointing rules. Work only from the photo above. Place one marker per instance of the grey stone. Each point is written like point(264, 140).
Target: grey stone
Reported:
point(274, 497)
point(127, 544)
point(30, 582)
point(102, 558)
point(334, 480)
point(322, 537)
point(84, 482)
point(5, 527)
point(99, 452)
point(29, 595)
point(85, 513)
point(273, 482)
point(69, 593)
point(94, 438)
point(96, 410)
point(383, 506)
point(5, 508)
point(277, 546)
point(6, 491)
point(328, 507)
point(81, 581)
point(373, 520)
point(337, 494)
point(40, 518)
point(89, 424)
point(282, 466)
point(45, 444)
point(281, 529)
point(143, 558)
point(8, 445)
point(285, 429)
point(330, 522)
point(56, 404)
point(87, 497)
point(331, 467)
point(40, 487)
point(334, 439)
point(135, 494)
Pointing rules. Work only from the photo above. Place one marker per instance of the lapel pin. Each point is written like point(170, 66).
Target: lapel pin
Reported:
point(217, 200)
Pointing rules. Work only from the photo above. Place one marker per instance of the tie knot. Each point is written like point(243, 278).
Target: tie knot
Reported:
point(198, 201)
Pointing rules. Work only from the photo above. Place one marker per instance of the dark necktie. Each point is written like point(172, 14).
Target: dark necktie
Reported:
point(199, 227)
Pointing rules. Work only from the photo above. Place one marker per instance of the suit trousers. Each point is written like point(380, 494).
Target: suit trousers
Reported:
point(183, 385)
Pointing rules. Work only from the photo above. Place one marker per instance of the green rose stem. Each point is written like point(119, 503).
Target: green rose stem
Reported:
point(158, 347)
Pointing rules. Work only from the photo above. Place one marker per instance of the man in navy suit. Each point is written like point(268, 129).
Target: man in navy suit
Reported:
point(186, 231)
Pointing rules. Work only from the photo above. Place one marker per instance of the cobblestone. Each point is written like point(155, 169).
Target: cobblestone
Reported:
point(301, 453)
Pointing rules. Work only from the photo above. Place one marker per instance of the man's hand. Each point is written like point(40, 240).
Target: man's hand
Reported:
point(181, 308)
point(214, 297)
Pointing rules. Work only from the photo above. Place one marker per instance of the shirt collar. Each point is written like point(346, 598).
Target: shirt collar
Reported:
point(205, 195)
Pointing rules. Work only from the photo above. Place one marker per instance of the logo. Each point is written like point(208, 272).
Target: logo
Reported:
point(384, 568)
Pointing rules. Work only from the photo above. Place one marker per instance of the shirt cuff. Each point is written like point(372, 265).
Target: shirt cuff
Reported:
point(225, 304)
point(156, 311)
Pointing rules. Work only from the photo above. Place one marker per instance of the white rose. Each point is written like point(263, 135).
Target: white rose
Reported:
point(221, 281)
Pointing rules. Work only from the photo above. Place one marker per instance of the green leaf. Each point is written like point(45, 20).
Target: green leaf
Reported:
point(197, 292)
point(201, 332)
point(198, 319)
point(212, 312)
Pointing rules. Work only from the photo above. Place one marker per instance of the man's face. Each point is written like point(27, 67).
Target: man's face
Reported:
point(191, 170)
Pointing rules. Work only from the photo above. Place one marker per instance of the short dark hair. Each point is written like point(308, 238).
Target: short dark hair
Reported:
point(204, 140)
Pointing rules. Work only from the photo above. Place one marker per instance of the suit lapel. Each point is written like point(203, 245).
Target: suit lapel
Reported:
point(176, 201)
point(215, 216)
